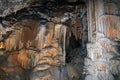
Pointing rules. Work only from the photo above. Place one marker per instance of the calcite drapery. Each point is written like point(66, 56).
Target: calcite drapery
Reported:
point(103, 43)
point(22, 51)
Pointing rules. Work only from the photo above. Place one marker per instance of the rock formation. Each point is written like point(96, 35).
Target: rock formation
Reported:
point(59, 40)
point(104, 41)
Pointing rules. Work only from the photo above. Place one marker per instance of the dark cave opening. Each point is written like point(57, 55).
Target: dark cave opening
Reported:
point(70, 49)
point(75, 55)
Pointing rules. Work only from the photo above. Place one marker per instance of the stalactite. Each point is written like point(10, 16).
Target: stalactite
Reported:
point(11, 43)
point(49, 34)
point(28, 33)
point(4, 31)
point(57, 34)
point(2, 45)
point(41, 37)
point(77, 28)
point(64, 42)
point(19, 38)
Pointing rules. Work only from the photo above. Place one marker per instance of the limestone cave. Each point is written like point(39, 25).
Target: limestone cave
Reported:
point(59, 40)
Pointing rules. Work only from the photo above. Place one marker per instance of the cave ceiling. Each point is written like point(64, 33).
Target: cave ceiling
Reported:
point(12, 6)
point(56, 11)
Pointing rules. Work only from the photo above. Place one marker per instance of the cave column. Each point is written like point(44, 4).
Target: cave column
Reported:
point(99, 48)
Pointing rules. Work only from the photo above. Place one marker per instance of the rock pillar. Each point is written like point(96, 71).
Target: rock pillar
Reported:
point(103, 29)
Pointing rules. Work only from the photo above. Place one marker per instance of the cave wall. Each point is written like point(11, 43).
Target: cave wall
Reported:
point(31, 47)
point(35, 39)
point(34, 42)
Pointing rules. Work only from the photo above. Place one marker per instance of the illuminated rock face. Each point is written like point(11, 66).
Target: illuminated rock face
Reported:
point(34, 49)
point(36, 41)
point(104, 41)
point(33, 46)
